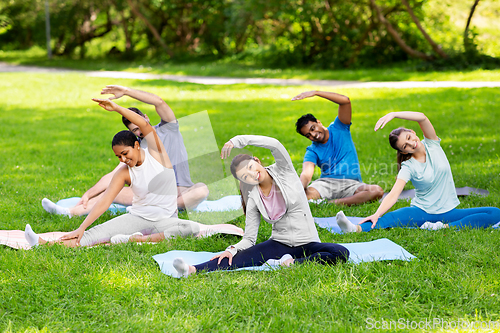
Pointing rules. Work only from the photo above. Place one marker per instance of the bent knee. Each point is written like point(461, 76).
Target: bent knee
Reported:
point(312, 193)
point(202, 189)
point(377, 192)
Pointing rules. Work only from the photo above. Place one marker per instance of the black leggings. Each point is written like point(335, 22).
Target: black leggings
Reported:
point(257, 255)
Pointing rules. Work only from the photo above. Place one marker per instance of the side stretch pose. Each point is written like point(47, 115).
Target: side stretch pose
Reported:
point(425, 164)
point(276, 194)
point(332, 149)
point(152, 180)
point(189, 195)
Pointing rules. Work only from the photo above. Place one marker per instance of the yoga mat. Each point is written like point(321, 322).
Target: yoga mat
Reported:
point(16, 240)
point(330, 223)
point(230, 202)
point(71, 202)
point(461, 192)
point(377, 250)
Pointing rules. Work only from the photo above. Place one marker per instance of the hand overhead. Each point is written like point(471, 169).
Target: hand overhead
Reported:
point(226, 150)
point(383, 121)
point(117, 91)
point(106, 104)
point(303, 95)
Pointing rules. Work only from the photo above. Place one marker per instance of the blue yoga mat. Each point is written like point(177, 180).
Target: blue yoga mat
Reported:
point(71, 202)
point(380, 249)
point(330, 223)
point(230, 202)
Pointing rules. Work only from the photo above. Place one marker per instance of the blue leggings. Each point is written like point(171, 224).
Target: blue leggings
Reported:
point(257, 255)
point(481, 217)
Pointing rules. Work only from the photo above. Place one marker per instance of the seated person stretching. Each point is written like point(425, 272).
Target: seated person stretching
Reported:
point(189, 195)
point(333, 150)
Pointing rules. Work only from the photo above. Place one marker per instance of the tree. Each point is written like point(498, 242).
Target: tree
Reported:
point(468, 44)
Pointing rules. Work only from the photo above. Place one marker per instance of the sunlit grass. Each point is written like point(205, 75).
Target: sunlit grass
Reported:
point(56, 143)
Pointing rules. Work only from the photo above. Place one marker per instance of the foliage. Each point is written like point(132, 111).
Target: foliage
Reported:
point(316, 33)
point(56, 144)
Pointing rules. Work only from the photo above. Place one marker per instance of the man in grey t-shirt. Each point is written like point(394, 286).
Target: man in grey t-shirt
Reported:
point(189, 195)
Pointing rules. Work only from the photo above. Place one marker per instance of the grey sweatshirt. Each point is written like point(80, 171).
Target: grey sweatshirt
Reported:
point(296, 227)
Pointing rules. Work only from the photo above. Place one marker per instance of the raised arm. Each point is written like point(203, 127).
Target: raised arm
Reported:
point(155, 146)
point(344, 113)
point(162, 108)
point(419, 117)
point(99, 187)
point(279, 152)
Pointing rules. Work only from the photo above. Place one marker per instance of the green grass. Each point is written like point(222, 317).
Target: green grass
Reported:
point(56, 143)
point(236, 68)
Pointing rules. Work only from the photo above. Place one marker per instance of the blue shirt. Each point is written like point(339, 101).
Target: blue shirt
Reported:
point(434, 187)
point(337, 158)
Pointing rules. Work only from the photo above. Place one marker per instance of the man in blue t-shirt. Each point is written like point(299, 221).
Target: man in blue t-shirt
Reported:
point(333, 150)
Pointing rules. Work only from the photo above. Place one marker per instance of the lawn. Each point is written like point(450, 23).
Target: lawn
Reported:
point(237, 68)
point(56, 144)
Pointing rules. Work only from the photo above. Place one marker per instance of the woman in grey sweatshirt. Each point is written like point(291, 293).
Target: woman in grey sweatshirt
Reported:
point(276, 194)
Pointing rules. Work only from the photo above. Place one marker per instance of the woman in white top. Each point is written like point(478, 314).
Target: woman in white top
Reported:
point(153, 214)
point(276, 194)
point(425, 164)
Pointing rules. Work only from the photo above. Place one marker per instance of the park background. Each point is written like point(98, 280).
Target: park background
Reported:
point(55, 144)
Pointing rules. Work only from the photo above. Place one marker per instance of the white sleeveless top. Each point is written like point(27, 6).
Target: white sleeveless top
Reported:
point(154, 188)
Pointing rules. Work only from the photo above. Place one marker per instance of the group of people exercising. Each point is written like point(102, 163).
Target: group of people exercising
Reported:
point(154, 163)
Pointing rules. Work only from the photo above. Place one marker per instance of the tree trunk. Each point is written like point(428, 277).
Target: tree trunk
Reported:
point(397, 38)
point(467, 44)
point(150, 27)
point(434, 46)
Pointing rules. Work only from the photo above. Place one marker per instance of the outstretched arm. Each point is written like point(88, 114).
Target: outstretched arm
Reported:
point(387, 203)
point(419, 117)
point(307, 173)
point(279, 152)
point(162, 108)
point(155, 145)
point(99, 187)
point(120, 178)
point(344, 113)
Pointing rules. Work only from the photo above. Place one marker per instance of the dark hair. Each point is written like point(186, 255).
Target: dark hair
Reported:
point(125, 138)
point(127, 122)
point(302, 121)
point(393, 140)
point(243, 187)
point(237, 160)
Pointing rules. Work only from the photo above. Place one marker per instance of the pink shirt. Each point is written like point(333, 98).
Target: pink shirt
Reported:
point(274, 203)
